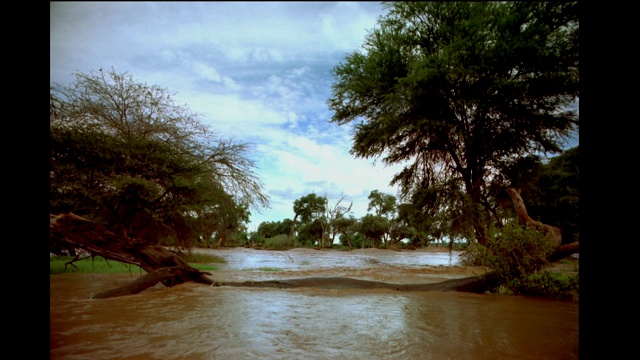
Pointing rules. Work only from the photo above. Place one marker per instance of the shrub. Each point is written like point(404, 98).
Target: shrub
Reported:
point(550, 284)
point(339, 247)
point(280, 242)
point(516, 256)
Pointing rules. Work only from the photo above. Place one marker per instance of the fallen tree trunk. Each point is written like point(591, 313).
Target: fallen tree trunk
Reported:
point(554, 233)
point(151, 279)
point(564, 251)
point(70, 231)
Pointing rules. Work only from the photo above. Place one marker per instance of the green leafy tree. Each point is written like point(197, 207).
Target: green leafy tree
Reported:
point(308, 208)
point(421, 218)
point(347, 228)
point(458, 92)
point(374, 228)
point(384, 206)
point(284, 226)
point(310, 232)
point(220, 221)
point(268, 229)
point(124, 154)
point(229, 222)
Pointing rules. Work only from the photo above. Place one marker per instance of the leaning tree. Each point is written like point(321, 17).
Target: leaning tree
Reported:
point(307, 208)
point(131, 169)
point(458, 92)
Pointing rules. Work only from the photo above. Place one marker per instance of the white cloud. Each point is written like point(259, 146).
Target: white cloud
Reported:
point(206, 72)
point(258, 72)
point(300, 165)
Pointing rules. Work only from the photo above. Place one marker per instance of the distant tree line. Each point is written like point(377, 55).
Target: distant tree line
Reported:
point(550, 188)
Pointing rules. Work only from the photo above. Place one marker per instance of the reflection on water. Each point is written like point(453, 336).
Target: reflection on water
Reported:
point(193, 321)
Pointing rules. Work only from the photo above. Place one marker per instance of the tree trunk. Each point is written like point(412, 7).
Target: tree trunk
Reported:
point(554, 233)
point(162, 265)
point(293, 225)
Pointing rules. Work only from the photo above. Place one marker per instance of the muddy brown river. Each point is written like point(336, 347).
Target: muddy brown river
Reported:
point(194, 321)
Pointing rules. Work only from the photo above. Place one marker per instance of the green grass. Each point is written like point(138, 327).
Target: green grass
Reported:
point(97, 265)
point(269, 269)
point(100, 265)
point(204, 267)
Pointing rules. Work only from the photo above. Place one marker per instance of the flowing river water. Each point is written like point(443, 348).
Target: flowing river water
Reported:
point(195, 321)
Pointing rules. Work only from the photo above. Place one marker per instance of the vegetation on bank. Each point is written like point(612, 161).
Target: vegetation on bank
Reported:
point(517, 261)
point(100, 265)
point(515, 258)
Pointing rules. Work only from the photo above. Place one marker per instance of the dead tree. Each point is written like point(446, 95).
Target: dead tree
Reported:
point(70, 231)
point(554, 233)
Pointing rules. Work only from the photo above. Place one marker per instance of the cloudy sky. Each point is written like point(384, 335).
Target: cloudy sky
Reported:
point(258, 72)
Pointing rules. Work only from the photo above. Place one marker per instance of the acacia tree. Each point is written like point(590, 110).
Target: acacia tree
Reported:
point(125, 155)
point(458, 92)
point(420, 218)
point(373, 228)
point(308, 208)
point(384, 206)
point(347, 228)
point(230, 223)
point(269, 229)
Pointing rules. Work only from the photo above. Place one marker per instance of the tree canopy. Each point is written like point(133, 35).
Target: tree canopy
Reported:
point(460, 92)
point(124, 154)
point(308, 208)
